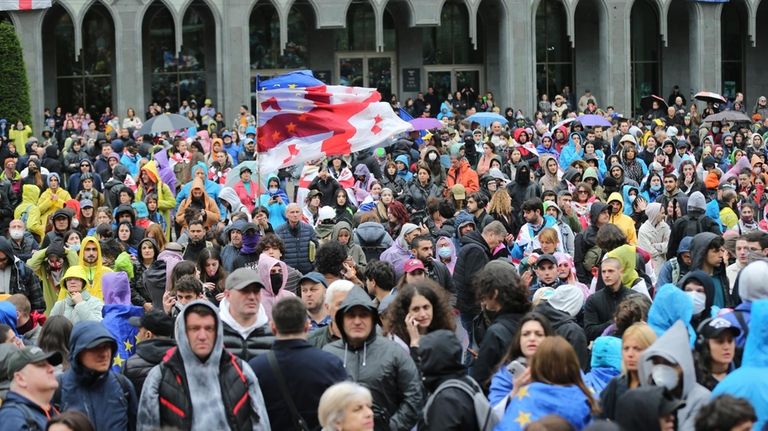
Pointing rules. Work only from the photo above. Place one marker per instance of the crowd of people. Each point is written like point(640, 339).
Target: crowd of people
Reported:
point(531, 274)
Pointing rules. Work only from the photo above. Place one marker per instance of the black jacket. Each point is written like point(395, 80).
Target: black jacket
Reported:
point(307, 371)
point(473, 256)
point(259, 341)
point(599, 309)
point(611, 394)
point(328, 188)
point(689, 225)
point(566, 327)
point(438, 272)
point(22, 280)
point(494, 346)
point(148, 354)
point(451, 408)
point(585, 241)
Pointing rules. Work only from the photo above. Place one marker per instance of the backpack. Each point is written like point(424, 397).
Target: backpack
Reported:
point(487, 419)
point(154, 279)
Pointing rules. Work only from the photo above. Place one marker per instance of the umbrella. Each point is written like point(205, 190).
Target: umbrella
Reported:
point(592, 120)
point(485, 119)
point(647, 102)
point(708, 96)
point(565, 122)
point(165, 123)
point(234, 175)
point(426, 123)
point(725, 116)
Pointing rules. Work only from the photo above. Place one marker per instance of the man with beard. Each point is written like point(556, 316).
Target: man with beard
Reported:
point(535, 221)
point(196, 242)
point(522, 189)
point(93, 269)
point(423, 249)
point(200, 201)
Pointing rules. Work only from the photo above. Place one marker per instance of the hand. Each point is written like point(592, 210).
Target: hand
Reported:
point(526, 278)
point(77, 297)
point(522, 380)
point(349, 270)
point(641, 204)
point(220, 296)
point(413, 329)
point(148, 307)
point(509, 239)
point(169, 300)
point(209, 286)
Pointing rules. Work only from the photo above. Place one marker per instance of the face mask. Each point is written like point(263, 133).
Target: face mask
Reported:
point(374, 196)
point(699, 300)
point(664, 376)
point(432, 156)
point(715, 130)
point(656, 187)
point(273, 190)
point(276, 280)
point(75, 223)
point(17, 233)
point(632, 198)
point(75, 247)
point(444, 251)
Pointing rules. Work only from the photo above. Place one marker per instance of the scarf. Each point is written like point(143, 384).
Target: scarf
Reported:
point(250, 241)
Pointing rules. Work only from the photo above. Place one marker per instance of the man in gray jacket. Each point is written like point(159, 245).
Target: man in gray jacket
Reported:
point(378, 364)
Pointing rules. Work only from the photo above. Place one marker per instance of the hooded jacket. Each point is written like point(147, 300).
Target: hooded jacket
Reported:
point(600, 307)
point(21, 279)
point(212, 214)
point(671, 305)
point(382, 366)
point(372, 238)
point(165, 200)
point(92, 274)
point(353, 250)
point(107, 398)
point(271, 294)
point(624, 222)
point(640, 409)
point(211, 187)
point(674, 346)
point(709, 290)
point(654, 237)
point(245, 342)
point(723, 296)
point(693, 222)
point(48, 205)
point(88, 309)
point(564, 325)
point(73, 184)
point(441, 360)
point(50, 286)
point(586, 253)
point(29, 212)
point(417, 195)
point(473, 255)
point(148, 354)
point(465, 176)
point(204, 388)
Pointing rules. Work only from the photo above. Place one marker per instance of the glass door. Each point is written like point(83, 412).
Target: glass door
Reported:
point(368, 69)
point(453, 78)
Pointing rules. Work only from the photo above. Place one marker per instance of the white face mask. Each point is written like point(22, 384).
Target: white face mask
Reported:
point(273, 190)
point(17, 233)
point(432, 156)
point(75, 223)
point(699, 300)
point(664, 376)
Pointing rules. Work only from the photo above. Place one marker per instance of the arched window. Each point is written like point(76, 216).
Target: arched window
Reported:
point(191, 74)
point(554, 55)
point(86, 82)
point(449, 42)
point(360, 32)
point(733, 30)
point(645, 52)
point(264, 30)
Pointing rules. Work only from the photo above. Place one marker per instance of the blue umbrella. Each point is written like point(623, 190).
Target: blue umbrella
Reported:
point(592, 120)
point(485, 119)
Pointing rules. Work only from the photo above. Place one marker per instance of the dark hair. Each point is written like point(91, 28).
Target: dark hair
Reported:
point(188, 283)
point(185, 267)
point(200, 310)
point(416, 240)
point(609, 237)
point(289, 315)
point(442, 315)
point(330, 258)
point(72, 419)
point(632, 309)
point(202, 261)
point(757, 236)
point(382, 273)
point(716, 243)
point(270, 240)
point(446, 208)
point(551, 422)
point(196, 221)
point(515, 351)
point(534, 204)
point(500, 280)
point(724, 413)
point(4, 332)
point(54, 337)
point(482, 200)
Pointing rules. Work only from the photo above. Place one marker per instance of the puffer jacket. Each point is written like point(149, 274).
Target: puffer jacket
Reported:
point(417, 194)
point(296, 241)
point(259, 337)
point(383, 367)
point(107, 398)
point(148, 354)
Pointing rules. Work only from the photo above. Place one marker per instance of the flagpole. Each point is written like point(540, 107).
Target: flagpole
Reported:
point(256, 146)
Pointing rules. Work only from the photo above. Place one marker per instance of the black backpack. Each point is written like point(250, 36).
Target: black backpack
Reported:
point(154, 279)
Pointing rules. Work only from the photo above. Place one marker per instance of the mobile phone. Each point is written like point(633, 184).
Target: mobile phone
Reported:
point(516, 368)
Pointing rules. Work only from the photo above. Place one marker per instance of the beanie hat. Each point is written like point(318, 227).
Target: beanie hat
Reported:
point(53, 175)
point(697, 202)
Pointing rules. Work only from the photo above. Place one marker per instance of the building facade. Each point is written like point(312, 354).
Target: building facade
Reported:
point(129, 53)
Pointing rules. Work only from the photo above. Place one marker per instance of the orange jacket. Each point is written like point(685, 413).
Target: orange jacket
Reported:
point(465, 176)
point(212, 214)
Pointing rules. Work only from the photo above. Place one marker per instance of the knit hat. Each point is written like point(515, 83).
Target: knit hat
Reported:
point(55, 248)
point(408, 228)
point(751, 281)
point(568, 298)
point(697, 202)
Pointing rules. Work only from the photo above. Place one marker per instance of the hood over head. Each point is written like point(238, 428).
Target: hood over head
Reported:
point(7, 248)
point(697, 202)
point(266, 263)
point(669, 306)
point(616, 196)
point(125, 209)
point(191, 361)
point(568, 298)
point(606, 352)
point(523, 173)
point(699, 247)
point(362, 170)
point(441, 358)
point(706, 281)
point(627, 255)
point(674, 346)
point(120, 173)
point(356, 298)
point(228, 194)
point(595, 210)
point(30, 194)
point(116, 288)
point(338, 227)
point(87, 335)
point(141, 209)
point(8, 315)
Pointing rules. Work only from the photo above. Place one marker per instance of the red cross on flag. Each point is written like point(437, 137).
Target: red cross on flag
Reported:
point(24, 4)
point(302, 119)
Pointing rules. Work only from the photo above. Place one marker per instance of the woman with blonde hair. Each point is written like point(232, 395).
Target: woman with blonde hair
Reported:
point(636, 339)
point(500, 208)
point(346, 406)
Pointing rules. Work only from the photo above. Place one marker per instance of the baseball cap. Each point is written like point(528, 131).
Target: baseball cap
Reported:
point(314, 277)
point(458, 191)
point(156, 321)
point(241, 278)
point(30, 355)
point(226, 133)
point(546, 258)
point(413, 265)
point(714, 327)
point(86, 203)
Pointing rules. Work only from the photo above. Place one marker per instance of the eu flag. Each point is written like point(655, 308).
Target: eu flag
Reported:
point(297, 79)
point(116, 320)
point(537, 400)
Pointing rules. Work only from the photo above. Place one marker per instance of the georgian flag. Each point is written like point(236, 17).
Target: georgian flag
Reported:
point(24, 4)
point(302, 119)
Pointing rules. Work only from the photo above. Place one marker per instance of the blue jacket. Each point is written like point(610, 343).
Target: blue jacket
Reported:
point(670, 305)
point(568, 153)
point(308, 372)
point(132, 163)
point(107, 398)
point(296, 243)
point(751, 380)
point(17, 410)
point(233, 150)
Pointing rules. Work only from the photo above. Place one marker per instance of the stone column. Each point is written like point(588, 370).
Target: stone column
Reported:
point(615, 57)
point(705, 47)
point(28, 29)
point(517, 56)
point(130, 77)
point(235, 49)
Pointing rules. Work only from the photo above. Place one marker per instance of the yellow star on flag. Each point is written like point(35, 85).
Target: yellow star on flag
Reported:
point(118, 361)
point(291, 85)
point(522, 393)
point(128, 345)
point(523, 419)
point(136, 339)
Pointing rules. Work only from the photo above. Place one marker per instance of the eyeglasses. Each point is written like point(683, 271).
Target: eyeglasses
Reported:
point(583, 191)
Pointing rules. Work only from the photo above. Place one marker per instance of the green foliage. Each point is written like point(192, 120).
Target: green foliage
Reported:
point(14, 87)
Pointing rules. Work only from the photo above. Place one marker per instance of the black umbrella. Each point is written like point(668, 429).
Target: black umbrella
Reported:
point(728, 116)
point(165, 123)
point(647, 102)
point(708, 96)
